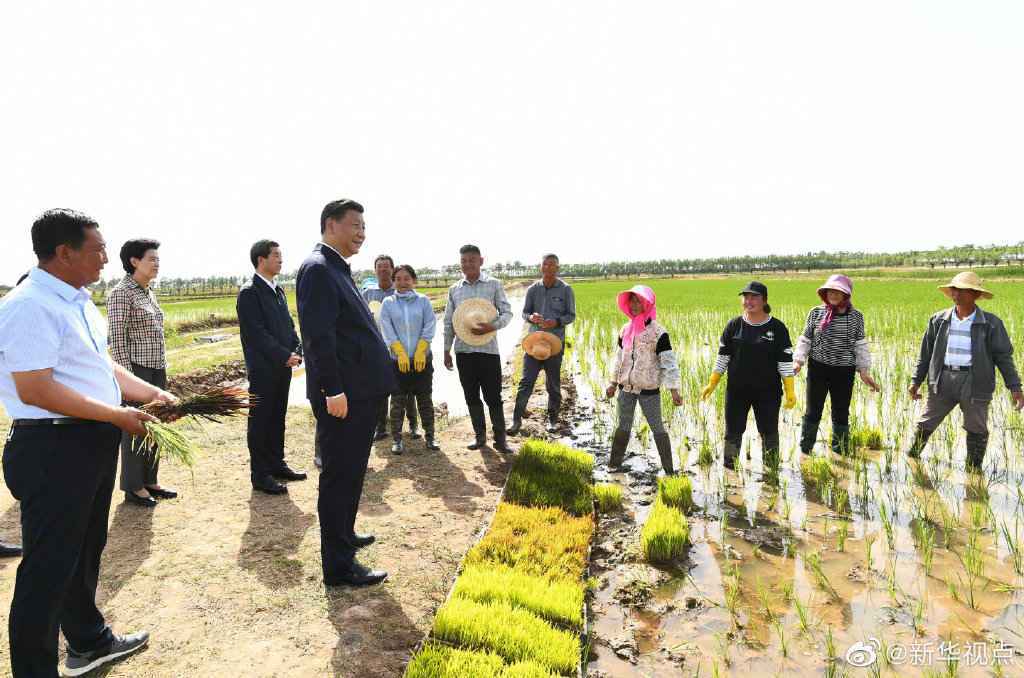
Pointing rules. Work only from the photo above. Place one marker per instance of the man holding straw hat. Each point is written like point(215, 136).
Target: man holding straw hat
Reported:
point(960, 352)
point(477, 308)
point(64, 393)
point(549, 306)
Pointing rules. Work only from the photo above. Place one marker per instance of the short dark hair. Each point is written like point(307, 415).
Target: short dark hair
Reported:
point(408, 269)
point(383, 257)
point(59, 227)
point(336, 209)
point(469, 249)
point(137, 249)
point(550, 255)
point(261, 248)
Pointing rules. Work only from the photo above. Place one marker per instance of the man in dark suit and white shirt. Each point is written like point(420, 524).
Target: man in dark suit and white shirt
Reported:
point(349, 370)
point(271, 350)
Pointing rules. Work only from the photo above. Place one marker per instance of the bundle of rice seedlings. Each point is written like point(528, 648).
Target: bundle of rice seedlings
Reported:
point(167, 442)
point(548, 474)
point(558, 601)
point(210, 404)
point(665, 534)
point(866, 436)
point(513, 633)
point(439, 661)
point(608, 497)
point(544, 542)
point(676, 491)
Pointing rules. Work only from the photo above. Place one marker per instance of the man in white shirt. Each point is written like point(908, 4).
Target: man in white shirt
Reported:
point(64, 393)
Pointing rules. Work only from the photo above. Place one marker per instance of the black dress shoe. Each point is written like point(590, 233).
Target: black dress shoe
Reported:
point(269, 486)
point(431, 444)
point(515, 428)
point(361, 540)
point(503, 447)
point(479, 442)
point(162, 493)
point(380, 435)
point(9, 550)
point(286, 473)
point(132, 498)
point(356, 575)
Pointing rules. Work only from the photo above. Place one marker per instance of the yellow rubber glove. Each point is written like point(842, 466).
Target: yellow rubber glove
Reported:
point(787, 386)
point(419, 359)
point(710, 388)
point(401, 356)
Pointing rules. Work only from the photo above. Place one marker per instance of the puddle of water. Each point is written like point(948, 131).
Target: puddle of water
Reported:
point(447, 388)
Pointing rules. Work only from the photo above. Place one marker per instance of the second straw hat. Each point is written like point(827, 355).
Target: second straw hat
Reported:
point(470, 313)
point(542, 345)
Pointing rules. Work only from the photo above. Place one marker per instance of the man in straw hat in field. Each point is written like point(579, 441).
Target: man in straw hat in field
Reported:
point(477, 308)
point(64, 393)
point(960, 352)
point(549, 306)
point(348, 371)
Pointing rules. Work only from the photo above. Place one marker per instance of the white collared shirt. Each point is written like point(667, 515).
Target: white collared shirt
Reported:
point(343, 257)
point(47, 324)
point(273, 285)
point(958, 344)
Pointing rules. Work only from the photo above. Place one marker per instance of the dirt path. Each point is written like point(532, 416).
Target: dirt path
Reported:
point(228, 581)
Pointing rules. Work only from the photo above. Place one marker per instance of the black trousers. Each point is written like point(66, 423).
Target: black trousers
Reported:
point(480, 372)
point(265, 425)
point(140, 465)
point(345, 451)
point(552, 377)
point(738, 402)
point(829, 381)
point(64, 477)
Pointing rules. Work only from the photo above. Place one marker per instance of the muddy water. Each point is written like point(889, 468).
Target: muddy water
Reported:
point(446, 384)
point(778, 582)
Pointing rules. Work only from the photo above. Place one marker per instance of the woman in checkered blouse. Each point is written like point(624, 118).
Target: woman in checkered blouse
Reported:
point(135, 335)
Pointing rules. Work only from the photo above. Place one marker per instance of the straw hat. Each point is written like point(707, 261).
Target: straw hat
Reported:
point(470, 313)
point(967, 280)
point(375, 307)
point(542, 345)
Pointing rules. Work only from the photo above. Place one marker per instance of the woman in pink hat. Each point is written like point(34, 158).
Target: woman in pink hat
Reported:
point(834, 346)
point(644, 363)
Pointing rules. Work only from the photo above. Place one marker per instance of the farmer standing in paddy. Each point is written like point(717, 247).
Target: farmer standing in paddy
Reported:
point(349, 371)
point(549, 307)
point(960, 352)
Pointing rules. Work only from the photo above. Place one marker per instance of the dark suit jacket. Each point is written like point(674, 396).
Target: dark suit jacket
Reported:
point(344, 350)
point(267, 329)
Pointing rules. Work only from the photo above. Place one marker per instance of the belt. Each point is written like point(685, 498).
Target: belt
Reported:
point(957, 368)
point(60, 421)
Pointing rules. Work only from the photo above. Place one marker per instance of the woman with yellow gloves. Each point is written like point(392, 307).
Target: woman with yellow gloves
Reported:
point(408, 323)
point(756, 350)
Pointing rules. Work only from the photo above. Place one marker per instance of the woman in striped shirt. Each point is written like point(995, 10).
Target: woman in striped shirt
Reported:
point(756, 350)
point(834, 341)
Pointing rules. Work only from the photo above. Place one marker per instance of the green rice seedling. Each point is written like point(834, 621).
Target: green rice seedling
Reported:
point(676, 491)
point(842, 535)
point(780, 630)
point(705, 454)
point(765, 599)
point(169, 442)
point(512, 633)
point(787, 591)
point(665, 534)
point(558, 601)
point(731, 587)
point(819, 473)
point(527, 670)
point(950, 523)
point(869, 542)
point(952, 588)
point(546, 543)
point(869, 437)
point(973, 561)
point(885, 515)
point(813, 561)
point(830, 645)
point(608, 497)
point(439, 661)
point(1013, 545)
point(549, 474)
point(722, 641)
point(918, 619)
point(803, 615)
point(924, 534)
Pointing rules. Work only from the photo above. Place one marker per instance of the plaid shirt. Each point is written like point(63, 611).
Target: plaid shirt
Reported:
point(135, 326)
point(487, 288)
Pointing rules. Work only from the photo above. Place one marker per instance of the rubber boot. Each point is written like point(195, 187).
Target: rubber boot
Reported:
point(921, 437)
point(770, 450)
point(809, 434)
point(552, 424)
point(731, 452)
point(498, 424)
point(516, 427)
point(619, 443)
point(841, 440)
point(664, 445)
point(976, 444)
point(476, 416)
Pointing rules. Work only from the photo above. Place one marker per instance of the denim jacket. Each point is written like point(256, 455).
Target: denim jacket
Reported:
point(990, 348)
